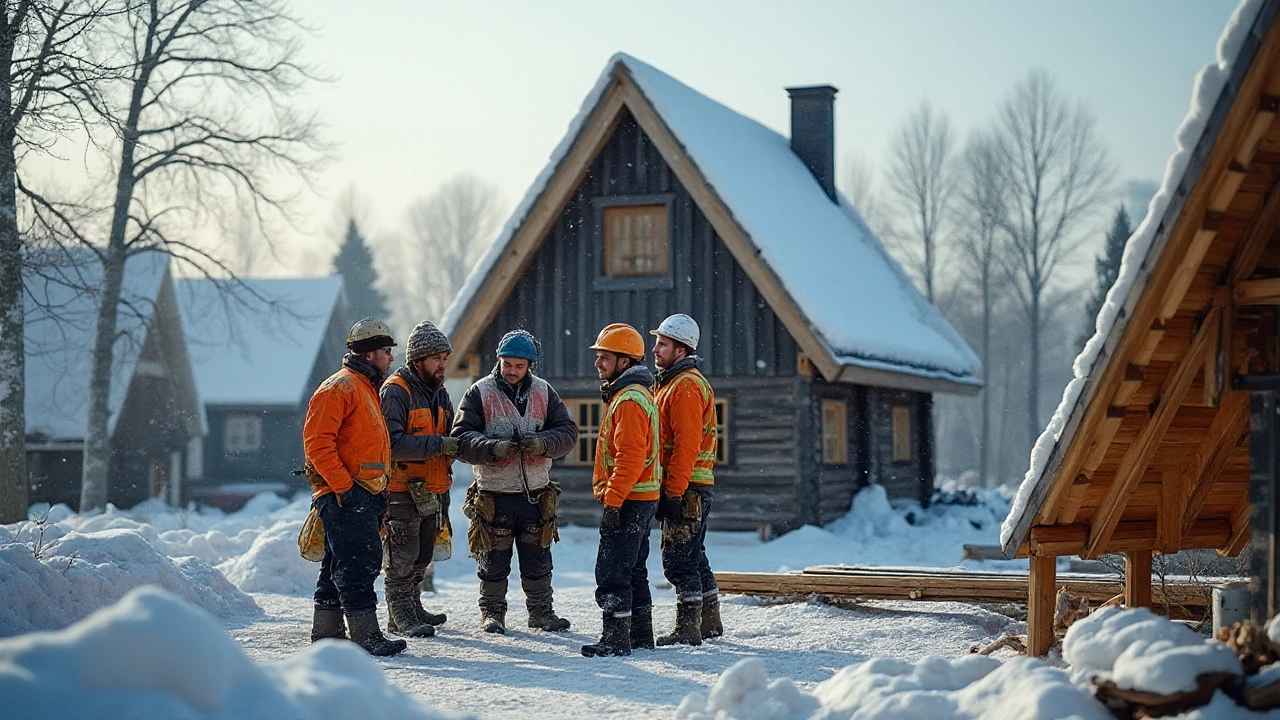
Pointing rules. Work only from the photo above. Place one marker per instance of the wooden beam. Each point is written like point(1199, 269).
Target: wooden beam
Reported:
point(1137, 579)
point(1241, 529)
point(1149, 342)
point(1256, 237)
point(1075, 499)
point(1189, 265)
point(1136, 460)
point(1063, 540)
point(1222, 436)
point(1169, 514)
point(1042, 595)
point(1263, 291)
point(1228, 184)
point(1267, 105)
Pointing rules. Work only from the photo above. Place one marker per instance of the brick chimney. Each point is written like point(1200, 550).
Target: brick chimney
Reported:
point(813, 135)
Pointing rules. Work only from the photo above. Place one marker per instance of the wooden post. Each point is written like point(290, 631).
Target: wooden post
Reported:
point(1137, 579)
point(1262, 495)
point(1041, 602)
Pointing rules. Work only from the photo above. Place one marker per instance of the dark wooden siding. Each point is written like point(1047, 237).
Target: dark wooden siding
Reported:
point(558, 301)
point(913, 478)
point(835, 485)
point(279, 454)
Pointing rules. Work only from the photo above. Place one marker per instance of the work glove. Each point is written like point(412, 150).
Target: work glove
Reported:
point(670, 508)
point(504, 449)
point(448, 446)
point(534, 445)
point(611, 521)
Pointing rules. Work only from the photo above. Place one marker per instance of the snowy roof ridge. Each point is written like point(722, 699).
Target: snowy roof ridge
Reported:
point(242, 355)
point(1211, 94)
point(61, 306)
point(856, 298)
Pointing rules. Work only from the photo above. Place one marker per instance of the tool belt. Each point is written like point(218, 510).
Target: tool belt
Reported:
point(547, 503)
point(684, 530)
point(425, 500)
point(311, 537)
point(483, 537)
point(479, 509)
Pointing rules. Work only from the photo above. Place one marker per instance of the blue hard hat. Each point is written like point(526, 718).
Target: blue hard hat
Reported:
point(518, 344)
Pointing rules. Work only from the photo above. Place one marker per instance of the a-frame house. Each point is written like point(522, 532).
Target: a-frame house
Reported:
point(1151, 449)
point(823, 355)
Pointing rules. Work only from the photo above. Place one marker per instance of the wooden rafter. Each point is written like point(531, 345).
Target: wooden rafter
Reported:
point(1060, 540)
point(1138, 457)
point(1211, 457)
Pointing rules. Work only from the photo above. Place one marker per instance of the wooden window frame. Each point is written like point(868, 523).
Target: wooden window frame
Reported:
point(835, 431)
point(900, 419)
point(587, 434)
point(604, 281)
point(241, 419)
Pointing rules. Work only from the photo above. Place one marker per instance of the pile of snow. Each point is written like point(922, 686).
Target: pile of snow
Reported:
point(152, 655)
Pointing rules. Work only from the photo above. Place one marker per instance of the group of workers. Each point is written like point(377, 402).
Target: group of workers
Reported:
point(379, 450)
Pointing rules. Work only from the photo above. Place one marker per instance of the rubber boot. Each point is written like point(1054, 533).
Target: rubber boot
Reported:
point(711, 627)
point(493, 606)
point(365, 633)
point(688, 630)
point(402, 616)
point(429, 618)
point(615, 639)
point(327, 623)
point(642, 628)
point(538, 600)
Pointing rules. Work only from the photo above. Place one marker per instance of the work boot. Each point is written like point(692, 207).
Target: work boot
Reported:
point(327, 622)
point(538, 600)
point(402, 616)
point(688, 630)
point(615, 639)
point(711, 627)
point(365, 633)
point(424, 615)
point(493, 606)
point(642, 628)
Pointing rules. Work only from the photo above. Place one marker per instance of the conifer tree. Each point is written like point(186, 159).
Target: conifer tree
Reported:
point(355, 261)
point(1107, 268)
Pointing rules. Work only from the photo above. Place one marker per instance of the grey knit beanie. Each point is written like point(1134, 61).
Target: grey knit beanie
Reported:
point(426, 340)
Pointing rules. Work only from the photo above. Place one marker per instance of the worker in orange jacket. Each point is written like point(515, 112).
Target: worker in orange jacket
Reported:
point(626, 480)
point(687, 415)
point(348, 451)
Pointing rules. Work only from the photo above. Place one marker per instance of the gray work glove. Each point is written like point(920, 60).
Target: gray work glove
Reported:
point(504, 449)
point(611, 521)
point(448, 446)
point(534, 445)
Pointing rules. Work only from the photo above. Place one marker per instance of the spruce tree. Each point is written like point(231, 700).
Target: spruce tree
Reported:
point(1107, 268)
point(359, 279)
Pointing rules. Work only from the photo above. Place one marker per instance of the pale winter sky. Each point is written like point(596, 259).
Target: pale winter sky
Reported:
point(426, 90)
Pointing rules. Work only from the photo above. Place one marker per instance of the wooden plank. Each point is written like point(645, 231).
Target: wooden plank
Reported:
point(1241, 529)
point(1137, 579)
point(1189, 265)
point(1074, 500)
point(1172, 497)
point(1062, 540)
point(1222, 436)
point(1261, 228)
point(1139, 455)
point(1262, 291)
point(1041, 603)
point(1267, 105)
point(1227, 186)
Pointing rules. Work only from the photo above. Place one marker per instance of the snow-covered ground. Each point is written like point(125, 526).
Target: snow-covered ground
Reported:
point(227, 636)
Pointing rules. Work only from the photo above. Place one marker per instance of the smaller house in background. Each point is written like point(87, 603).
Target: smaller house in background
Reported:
point(258, 350)
point(155, 419)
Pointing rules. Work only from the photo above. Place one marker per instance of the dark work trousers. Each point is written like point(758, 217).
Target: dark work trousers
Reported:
point(685, 563)
point(515, 518)
point(622, 576)
point(411, 539)
point(352, 550)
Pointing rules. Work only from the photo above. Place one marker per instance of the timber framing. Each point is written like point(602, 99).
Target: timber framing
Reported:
point(623, 96)
point(1154, 454)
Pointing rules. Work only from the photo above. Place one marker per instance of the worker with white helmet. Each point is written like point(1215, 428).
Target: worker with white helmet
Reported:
point(687, 415)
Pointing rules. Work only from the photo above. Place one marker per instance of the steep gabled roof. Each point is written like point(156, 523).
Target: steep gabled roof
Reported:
point(260, 352)
point(61, 305)
point(1148, 449)
point(848, 304)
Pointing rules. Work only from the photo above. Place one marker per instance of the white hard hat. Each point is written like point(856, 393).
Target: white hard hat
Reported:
point(681, 328)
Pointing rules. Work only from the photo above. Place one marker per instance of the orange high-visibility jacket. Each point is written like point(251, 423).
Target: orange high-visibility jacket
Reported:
point(627, 465)
point(687, 422)
point(344, 437)
point(422, 419)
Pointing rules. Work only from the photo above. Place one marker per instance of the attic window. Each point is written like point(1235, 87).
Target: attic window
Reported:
point(635, 241)
point(242, 433)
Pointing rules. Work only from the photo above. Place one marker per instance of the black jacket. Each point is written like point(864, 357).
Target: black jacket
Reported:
point(559, 430)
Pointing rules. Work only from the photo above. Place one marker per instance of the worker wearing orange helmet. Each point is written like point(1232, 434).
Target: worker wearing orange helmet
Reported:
point(626, 480)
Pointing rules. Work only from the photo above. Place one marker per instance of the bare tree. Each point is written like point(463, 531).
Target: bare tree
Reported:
point(921, 183)
point(449, 230)
point(861, 190)
point(48, 81)
point(190, 137)
point(979, 220)
point(1056, 174)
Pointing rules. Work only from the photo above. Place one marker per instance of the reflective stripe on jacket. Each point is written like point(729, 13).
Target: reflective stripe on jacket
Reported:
point(627, 466)
point(344, 437)
point(687, 414)
point(420, 420)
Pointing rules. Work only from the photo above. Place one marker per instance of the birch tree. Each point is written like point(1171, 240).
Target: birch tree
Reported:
point(203, 120)
point(1056, 173)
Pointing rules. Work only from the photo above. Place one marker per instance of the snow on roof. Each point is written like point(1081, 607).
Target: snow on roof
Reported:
point(246, 351)
point(858, 299)
point(1209, 84)
point(61, 304)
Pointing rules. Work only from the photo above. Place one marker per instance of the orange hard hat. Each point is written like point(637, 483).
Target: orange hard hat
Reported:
point(622, 339)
